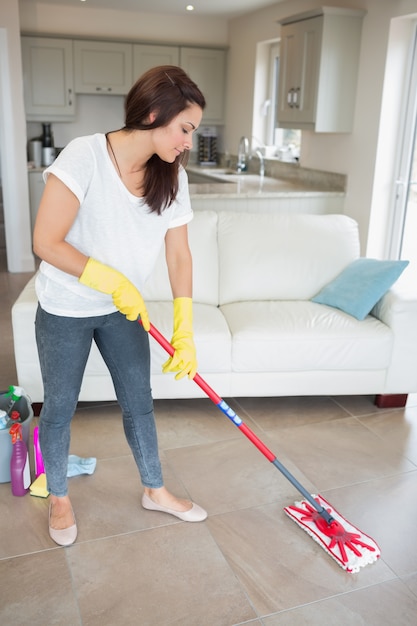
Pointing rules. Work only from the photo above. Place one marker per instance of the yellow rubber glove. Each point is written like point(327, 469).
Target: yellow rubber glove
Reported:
point(125, 295)
point(184, 359)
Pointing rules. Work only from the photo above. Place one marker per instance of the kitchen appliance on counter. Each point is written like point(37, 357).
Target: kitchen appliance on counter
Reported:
point(48, 149)
point(207, 146)
point(35, 152)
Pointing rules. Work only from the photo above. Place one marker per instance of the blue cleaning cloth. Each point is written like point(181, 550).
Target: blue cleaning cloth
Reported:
point(77, 465)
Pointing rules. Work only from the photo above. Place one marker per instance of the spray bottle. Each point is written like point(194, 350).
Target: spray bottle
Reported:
point(19, 463)
point(14, 394)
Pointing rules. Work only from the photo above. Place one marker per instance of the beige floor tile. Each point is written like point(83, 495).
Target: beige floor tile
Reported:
point(279, 565)
point(230, 475)
point(23, 523)
point(385, 509)
point(98, 432)
point(383, 605)
point(358, 405)
point(398, 428)
point(107, 503)
point(183, 423)
point(174, 575)
point(288, 411)
point(411, 582)
point(8, 375)
point(37, 589)
point(340, 452)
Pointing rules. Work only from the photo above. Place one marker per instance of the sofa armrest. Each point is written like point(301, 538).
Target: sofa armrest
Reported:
point(398, 310)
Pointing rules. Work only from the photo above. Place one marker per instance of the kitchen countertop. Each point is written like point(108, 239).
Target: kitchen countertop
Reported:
point(221, 183)
point(249, 185)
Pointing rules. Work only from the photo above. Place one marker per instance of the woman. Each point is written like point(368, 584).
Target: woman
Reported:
point(109, 204)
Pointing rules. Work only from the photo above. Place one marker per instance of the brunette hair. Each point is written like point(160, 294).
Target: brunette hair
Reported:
point(165, 90)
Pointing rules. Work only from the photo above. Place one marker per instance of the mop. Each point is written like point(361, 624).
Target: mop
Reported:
point(345, 543)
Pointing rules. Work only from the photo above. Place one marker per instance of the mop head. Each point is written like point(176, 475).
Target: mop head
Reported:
point(348, 546)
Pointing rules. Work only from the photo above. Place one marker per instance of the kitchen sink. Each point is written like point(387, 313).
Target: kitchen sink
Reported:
point(219, 175)
point(239, 182)
point(197, 178)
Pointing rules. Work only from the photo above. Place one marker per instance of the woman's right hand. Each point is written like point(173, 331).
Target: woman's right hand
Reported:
point(125, 296)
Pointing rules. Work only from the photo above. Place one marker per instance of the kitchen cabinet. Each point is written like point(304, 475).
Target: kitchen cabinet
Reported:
point(56, 69)
point(207, 68)
point(48, 85)
point(36, 187)
point(319, 60)
point(103, 67)
point(146, 56)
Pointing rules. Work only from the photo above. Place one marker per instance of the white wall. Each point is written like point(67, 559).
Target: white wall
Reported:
point(13, 143)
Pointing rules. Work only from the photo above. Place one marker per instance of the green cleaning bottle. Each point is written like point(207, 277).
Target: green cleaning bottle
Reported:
point(14, 394)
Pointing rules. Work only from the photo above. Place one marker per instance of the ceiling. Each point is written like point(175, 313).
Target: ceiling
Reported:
point(214, 8)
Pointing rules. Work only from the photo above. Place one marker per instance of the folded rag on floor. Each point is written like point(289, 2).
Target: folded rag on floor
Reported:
point(77, 465)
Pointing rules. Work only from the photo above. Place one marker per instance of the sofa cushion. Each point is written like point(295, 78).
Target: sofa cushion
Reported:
point(282, 257)
point(212, 338)
point(303, 336)
point(360, 286)
point(202, 234)
point(211, 333)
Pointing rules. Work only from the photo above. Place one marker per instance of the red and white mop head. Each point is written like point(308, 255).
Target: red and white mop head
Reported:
point(349, 546)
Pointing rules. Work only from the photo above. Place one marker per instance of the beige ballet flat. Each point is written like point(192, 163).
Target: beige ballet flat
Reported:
point(195, 514)
point(64, 536)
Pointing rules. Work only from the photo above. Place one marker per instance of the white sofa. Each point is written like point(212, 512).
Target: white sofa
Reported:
point(256, 330)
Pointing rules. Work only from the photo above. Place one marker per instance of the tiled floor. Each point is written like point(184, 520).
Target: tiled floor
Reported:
point(248, 563)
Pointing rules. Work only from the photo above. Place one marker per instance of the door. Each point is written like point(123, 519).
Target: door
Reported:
point(404, 232)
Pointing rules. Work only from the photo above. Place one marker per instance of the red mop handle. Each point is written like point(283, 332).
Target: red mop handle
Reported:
point(229, 412)
point(216, 399)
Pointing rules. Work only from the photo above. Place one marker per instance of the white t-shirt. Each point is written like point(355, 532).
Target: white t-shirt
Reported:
point(112, 226)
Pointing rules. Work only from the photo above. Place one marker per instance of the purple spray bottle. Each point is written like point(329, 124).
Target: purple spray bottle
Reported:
point(19, 463)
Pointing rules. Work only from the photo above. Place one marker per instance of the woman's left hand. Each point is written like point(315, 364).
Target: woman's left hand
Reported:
point(184, 360)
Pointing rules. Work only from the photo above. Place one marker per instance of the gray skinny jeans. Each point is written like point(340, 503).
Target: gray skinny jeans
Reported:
point(63, 346)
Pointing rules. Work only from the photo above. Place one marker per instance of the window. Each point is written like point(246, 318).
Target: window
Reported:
point(403, 238)
point(279, 142)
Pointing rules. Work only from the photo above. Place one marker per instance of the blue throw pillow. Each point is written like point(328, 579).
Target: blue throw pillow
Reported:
point(360, 285)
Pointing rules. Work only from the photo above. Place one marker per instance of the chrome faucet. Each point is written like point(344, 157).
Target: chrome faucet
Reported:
point(242, 155)
point(260, 156)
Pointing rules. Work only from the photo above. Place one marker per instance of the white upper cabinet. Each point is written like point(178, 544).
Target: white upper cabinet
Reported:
point(207, 68)
point(319, 60)
point(146, 56)
point(102, 67)
point(55, 70)
point(48, 79)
